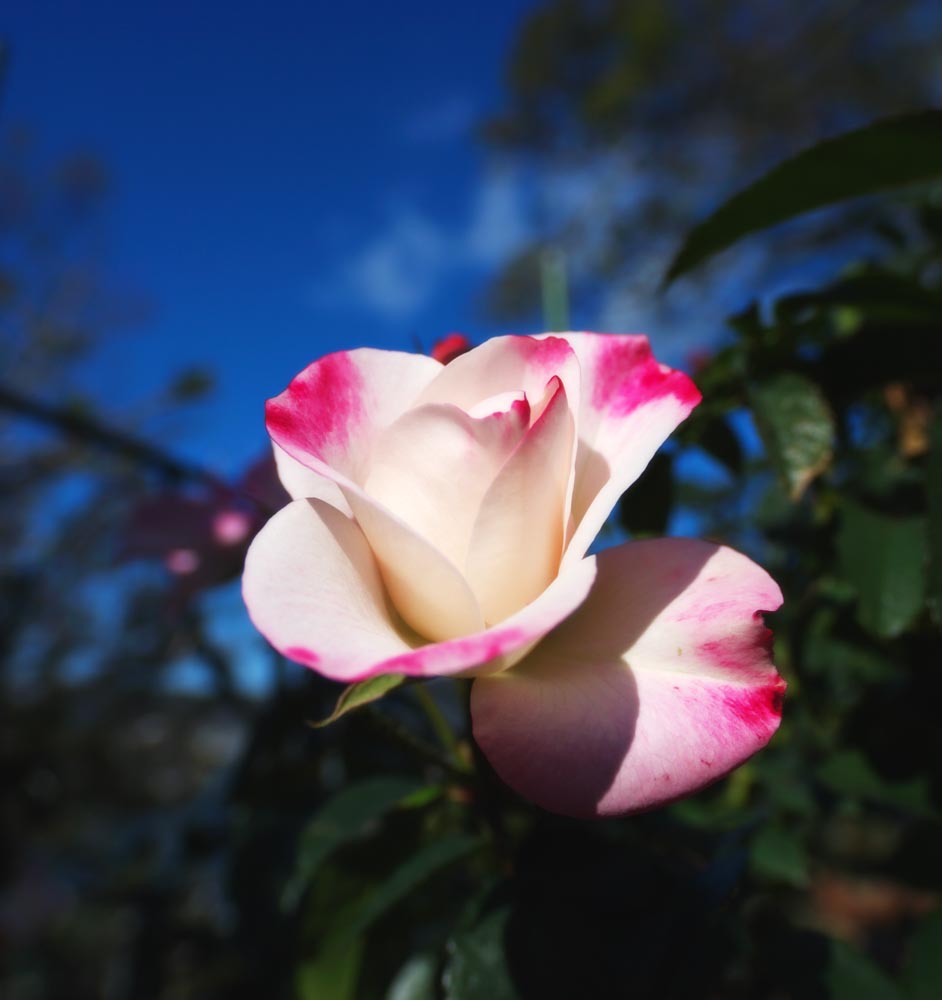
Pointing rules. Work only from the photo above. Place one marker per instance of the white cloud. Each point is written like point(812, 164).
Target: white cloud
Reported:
point(399, 270)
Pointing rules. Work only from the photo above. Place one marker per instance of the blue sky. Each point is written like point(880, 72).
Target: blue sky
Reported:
point(290, 179)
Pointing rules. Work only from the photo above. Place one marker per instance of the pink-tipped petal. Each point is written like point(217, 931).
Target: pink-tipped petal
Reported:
point(629, 405)
point(518, 536)
point(330, 419)
point(658, 685)
point(433, 466)
point(314, 591)
point(329, 416)
point(506, 364)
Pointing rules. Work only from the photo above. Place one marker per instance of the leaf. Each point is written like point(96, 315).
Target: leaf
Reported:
point(477, 965)
point(332, 975)
point(884, 558)
point(922, 972)
point(415, 980)
point(779, 856)
point(358, 916)
point(853, 976)
point(362, 693)
point(349, 815)
point(848, 773)
point(646, 507)
point(934, 505)
point(885, 154)
point(797, 428)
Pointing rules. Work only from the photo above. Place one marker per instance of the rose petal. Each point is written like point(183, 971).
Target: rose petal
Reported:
point(433, 467)
point(506, 364)
point(658, 685)
point(518, 537)
point(426, 587)
point(313, 589)
point(329, 419)
point(303, 483)
point(630, 404)
point(330, 414)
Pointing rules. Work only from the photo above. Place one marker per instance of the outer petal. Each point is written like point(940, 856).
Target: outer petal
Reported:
point(658, 685)
point(330, 414)
point(314, 590)
point(629, 406)
point(303, 483)
point(518, 537)
point(329, 419)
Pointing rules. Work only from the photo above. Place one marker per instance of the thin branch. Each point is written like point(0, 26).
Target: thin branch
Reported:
point(119, 443)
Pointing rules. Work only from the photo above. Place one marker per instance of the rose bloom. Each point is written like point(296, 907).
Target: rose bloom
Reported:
point(440, 527)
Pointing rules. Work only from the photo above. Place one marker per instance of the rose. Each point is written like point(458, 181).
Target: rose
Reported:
point(441, 528)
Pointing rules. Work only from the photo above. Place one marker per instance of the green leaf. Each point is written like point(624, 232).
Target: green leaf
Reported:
point(779, 856)
point(362, 693)
point(922, 972)
point(886, 154)
point(848, 773)
point(332, 975)
point(415, 980)
point(349, 815)
point(477, 966)
point(853, 976)
point(884, 558)
point(797, 428)
point(934, 505)
point(358, 916)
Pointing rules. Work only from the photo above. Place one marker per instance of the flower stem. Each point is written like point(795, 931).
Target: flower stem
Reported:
point(439, 724)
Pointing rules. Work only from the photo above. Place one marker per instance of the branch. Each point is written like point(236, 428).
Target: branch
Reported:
point(89, 431)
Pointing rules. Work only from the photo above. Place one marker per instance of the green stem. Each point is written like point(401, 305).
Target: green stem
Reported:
point(439, 723)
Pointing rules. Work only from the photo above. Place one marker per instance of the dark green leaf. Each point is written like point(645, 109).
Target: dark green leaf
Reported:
point(934, 505)
point(797, 428)
point(357, 695)
point(886, 154)
point(477, 964)
point(853, 976)
point(645, 508)
point(884, 558)
point(331, 975)
point(778, 855)
point(719, 440)
point(415, 980)
point(848, 773)
point(349, 815)
point(923, 970)
point(358, 916)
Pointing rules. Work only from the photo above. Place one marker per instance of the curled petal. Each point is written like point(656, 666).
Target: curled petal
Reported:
point(303, 483)
point(506, 364)
point(660, 683)
point(433, 466)
point(518, 536)
point(629, 405)
point(314, 590)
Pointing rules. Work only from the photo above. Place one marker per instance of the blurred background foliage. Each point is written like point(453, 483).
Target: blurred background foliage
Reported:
point(201, 841)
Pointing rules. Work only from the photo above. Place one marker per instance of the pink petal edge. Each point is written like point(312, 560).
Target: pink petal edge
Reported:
point(634, 700)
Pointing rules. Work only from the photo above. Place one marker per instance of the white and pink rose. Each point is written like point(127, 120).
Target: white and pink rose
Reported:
point(440, 525)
